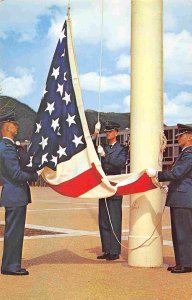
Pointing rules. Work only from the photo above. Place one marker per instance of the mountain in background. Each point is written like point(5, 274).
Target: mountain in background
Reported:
point(121, 118)
point(27, 116)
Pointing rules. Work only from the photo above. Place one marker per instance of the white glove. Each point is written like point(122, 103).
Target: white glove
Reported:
point(18, 143)
point(39, 172)
point(100, 150)
point(97, 127)
point(151, 172)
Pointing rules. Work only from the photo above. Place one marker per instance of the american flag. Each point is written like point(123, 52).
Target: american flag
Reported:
point(58, 133)
point(61, 144)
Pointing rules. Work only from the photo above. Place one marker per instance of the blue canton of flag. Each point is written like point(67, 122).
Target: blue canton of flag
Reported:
point(58, 133)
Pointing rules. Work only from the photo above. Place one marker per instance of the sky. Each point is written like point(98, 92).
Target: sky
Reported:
point(29, 31)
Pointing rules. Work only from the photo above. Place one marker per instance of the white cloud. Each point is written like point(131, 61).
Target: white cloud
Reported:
point(2, 76)
point(19, 86)
point(22, 17)
point(123, 62)
point(23, 23)
point(55, 28)
point(111, 107)
point(126, 102)
point(170, 21)
point(119, 82)
point(118, 106)
point(178, 109)
point(117, 16)
point(86, 19)
point(178, 57)
point(177, 15)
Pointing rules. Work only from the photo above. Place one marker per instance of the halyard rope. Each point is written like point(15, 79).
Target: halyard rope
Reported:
point(100, 60)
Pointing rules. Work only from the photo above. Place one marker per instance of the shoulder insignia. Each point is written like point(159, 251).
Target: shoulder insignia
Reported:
point(189, 151)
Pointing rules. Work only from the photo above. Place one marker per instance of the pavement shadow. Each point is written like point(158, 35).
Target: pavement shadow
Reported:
point(61, 257)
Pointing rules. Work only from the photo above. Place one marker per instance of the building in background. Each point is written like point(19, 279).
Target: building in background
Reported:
point(170, 153)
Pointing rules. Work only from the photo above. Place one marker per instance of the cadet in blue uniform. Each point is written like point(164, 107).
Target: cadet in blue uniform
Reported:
point(15, 196)
point(113, 160)
point(179, 199)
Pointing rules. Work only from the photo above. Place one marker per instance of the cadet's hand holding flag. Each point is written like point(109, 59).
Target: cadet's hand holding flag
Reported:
point(151, 172)
point(100, 151)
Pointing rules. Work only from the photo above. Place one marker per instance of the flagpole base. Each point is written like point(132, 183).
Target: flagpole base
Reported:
point(145, 251)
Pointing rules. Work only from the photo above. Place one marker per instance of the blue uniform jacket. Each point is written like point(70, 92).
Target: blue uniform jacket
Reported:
point(180, 177)
point(15, 191)
point(114, 160)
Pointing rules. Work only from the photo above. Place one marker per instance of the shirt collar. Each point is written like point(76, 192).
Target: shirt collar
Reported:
point(7, 138)
point(111, 145)
point(185, 148)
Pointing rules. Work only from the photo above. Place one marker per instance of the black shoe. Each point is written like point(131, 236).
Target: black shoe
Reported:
point(112, 257)
point(170, 268)
point(179, 270)
point(19, 272)
point(103, 256)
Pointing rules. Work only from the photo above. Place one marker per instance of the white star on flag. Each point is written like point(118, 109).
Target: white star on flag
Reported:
point(61, 151)
point(50, 107)
point(45, 91)
point(38, 127)
point(67, 98)
point(58, 133)
point(60, 88)
point(64, 78)
point(62, 35)
point(62, 55)
point(71, 120)
point(55, 72)
point(54, 160)
point(77, 140)
point(55, 124)
point(44, 142)
point(44, 158)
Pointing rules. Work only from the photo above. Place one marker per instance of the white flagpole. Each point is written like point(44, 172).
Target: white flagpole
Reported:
point(68, 9)
point(146, 129)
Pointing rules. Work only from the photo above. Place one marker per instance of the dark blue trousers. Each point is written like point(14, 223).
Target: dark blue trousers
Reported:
point(108, 240)
point(181, 226)
point(13, 238)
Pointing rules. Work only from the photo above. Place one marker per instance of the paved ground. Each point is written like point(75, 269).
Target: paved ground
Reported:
point(64, 266)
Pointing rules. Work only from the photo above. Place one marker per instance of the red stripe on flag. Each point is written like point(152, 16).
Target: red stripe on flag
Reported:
point(80, 184)
point(143, 184)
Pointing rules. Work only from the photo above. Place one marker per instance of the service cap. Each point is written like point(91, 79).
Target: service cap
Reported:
point(8, 117)
point(182, 129)
point(110, 125)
